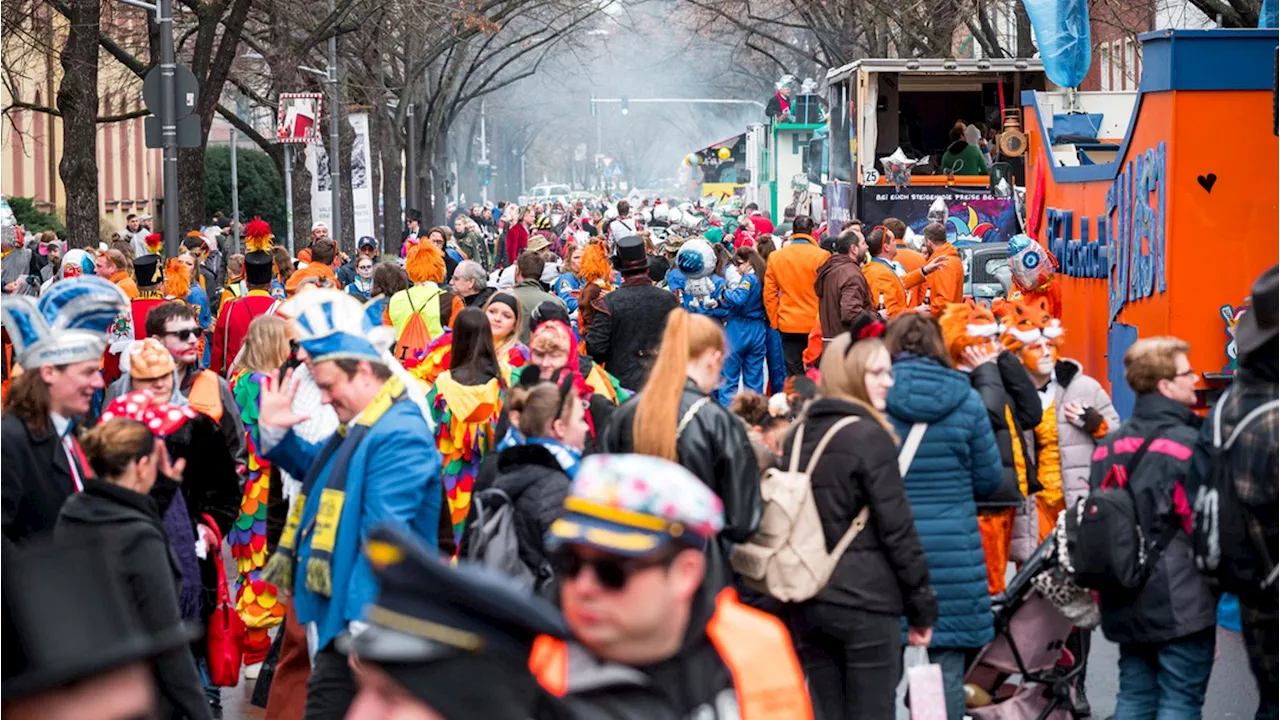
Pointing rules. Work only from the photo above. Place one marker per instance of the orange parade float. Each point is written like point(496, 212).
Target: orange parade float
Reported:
point(1162, 222)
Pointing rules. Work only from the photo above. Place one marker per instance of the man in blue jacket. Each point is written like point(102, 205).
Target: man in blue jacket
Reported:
point(380, 466)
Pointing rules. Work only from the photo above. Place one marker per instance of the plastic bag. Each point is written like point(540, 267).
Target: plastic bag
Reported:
point(925, 694)
point(1062, 33)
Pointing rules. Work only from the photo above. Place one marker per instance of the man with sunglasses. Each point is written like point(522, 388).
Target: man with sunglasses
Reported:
point(651, 638)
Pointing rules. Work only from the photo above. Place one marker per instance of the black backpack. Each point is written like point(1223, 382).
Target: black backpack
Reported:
point(1224, 547)
point(1107, 546)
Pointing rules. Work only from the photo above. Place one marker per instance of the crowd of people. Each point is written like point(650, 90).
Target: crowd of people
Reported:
point(524, 465)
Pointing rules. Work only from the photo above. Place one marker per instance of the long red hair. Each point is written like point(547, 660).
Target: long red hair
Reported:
point(688, 336)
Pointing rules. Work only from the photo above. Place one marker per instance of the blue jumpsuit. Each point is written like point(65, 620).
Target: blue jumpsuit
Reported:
point(747, 329)
point(777, 363)
point(567, 287)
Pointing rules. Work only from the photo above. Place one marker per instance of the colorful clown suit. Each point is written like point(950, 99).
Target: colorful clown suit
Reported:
point(256, 599)
point(1076, 412)
point(466, 420)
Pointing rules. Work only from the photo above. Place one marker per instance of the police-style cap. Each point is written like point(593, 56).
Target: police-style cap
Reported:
point(429, 612)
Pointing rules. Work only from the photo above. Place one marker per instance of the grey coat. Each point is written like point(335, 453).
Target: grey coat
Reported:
point(1075, 448)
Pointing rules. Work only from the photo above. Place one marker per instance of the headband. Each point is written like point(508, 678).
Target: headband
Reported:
point(506, 299)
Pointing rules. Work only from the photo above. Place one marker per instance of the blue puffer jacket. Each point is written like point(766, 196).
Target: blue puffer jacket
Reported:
point(957, 460)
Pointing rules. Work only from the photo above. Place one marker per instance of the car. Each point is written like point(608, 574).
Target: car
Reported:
point(546, 192)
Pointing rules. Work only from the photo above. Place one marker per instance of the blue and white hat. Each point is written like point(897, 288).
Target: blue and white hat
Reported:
point(68, 324)
point(332, 325)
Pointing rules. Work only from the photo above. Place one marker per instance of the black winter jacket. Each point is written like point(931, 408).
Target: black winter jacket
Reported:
point(1176, 600)
point(627, 329)
point(36, 479)
point(714, 446)
point(1002, 384)
point(884, 569)
point(536, 483)
point(131, 523)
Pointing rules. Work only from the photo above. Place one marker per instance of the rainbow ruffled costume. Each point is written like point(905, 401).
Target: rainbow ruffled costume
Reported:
point(256, 599)
point(466, 418)
point(440, 352)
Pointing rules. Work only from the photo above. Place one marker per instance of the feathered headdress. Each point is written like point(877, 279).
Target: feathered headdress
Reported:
point(154, 243)
point(425, 263)
point(257, 236)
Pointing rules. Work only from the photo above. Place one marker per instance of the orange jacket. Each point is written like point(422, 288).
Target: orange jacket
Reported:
point(910, 260)
point(311, 270)
point(754, 645)
point(126, 283)
point(789, 297)
point(947, 282)
point(885, 284)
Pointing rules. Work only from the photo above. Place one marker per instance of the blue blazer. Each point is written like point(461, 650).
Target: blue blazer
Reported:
point(393, 476)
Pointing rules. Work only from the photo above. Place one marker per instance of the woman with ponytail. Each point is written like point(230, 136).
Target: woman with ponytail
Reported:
point(676, 417)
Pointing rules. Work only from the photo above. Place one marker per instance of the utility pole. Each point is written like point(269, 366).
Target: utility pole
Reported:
point(235, 186)
point(335, 149)
point(484, 156)
point(169, 126)
point(288, 195)
point(411, 160)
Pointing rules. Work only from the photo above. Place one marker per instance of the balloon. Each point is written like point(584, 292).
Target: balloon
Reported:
point(897, 167)
point(724, 153)
point(1029, 262)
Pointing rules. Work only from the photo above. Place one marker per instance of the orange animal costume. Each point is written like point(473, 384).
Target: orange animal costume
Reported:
point(1035, 336)
point(971, 325)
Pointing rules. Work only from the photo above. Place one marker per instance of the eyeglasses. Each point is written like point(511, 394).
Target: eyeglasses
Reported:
point(1189, 372)
point(613, 572)
point(186, 333)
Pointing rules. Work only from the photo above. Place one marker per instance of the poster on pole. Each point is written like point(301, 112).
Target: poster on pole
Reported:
point(321, 197)
point(361, 176)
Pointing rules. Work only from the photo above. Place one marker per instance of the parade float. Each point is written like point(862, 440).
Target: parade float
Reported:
point(1163, 230)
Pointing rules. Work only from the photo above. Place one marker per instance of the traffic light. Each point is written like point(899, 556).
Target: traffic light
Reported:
point(626, 108)
point(593, 106)
point(487, 173)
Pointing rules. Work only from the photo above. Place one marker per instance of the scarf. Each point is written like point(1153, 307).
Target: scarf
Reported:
point(568, 458)
point(182, 538)
point(322, 531)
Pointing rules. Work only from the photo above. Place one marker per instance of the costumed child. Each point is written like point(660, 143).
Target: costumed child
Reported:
point(971, 333)
point(597, 281)
point(421, 312)
point(1033, 269)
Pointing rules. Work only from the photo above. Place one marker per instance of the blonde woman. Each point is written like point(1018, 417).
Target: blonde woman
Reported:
point(265, 350)
point(883, 575)
point(676, 417)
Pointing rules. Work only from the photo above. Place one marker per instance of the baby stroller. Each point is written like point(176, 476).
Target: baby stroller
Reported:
point(1022, 669)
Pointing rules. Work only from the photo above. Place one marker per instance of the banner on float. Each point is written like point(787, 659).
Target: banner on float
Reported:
point(361, 179)
point(361, 176)
point(973, 214)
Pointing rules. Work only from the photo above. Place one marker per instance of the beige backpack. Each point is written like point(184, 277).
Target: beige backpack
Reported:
point(787, 556)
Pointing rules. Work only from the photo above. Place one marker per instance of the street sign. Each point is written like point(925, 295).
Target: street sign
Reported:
point(186, 89)
point(298, 117)
point(188, 132)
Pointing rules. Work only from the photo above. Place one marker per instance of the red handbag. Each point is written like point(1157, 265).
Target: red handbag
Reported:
point(225, 638)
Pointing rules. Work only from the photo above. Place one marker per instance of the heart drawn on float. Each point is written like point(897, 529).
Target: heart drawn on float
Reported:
point(1207, 181)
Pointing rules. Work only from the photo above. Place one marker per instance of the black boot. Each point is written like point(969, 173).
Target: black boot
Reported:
point(1078, 643)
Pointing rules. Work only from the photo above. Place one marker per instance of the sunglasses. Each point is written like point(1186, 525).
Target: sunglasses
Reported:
point(613, 573)
point(187, 334)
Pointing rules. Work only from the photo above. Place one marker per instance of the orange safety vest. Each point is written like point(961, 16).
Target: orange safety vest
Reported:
point(754, 645)
point(205, 396)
